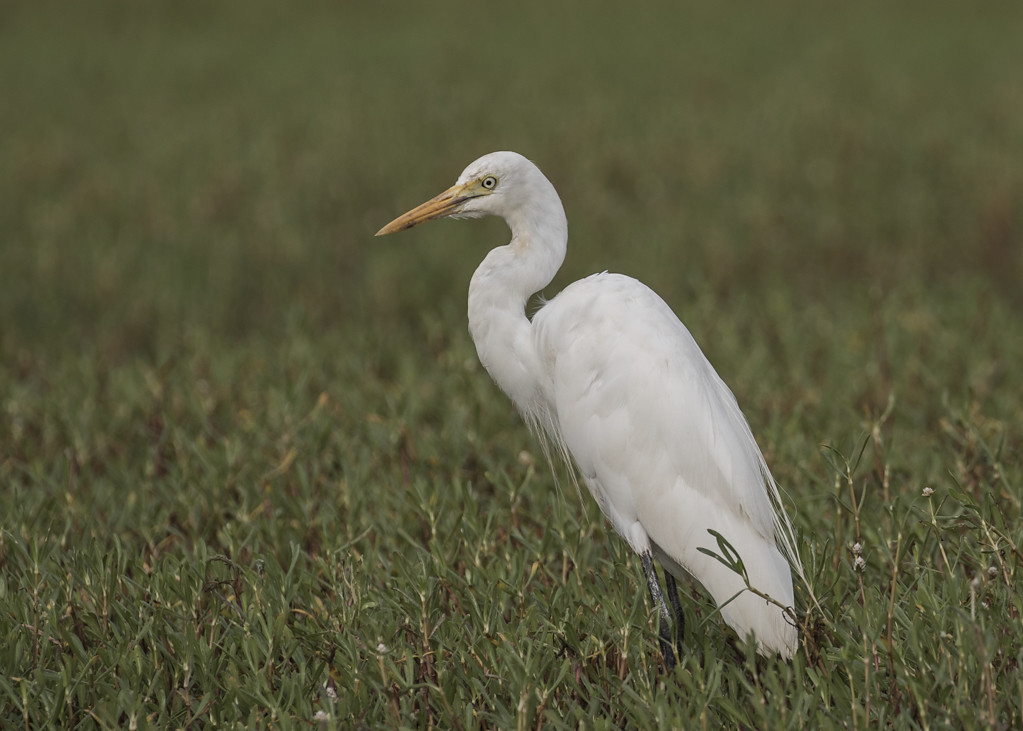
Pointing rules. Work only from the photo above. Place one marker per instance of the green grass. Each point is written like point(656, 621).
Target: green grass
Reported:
point(252, 471)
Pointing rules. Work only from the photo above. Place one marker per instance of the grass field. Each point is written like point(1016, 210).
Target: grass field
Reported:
point(253, 475)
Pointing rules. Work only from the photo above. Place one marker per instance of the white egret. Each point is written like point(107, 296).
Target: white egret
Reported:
point(608, 373)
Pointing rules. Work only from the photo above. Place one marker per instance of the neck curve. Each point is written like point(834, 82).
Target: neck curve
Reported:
point(502, 284)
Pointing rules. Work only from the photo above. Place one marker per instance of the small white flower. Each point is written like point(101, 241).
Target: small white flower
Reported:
point(859, 564)
point(975, 584)
point(321, 716)
point(857, 549)
point(927, 492)
point(381, 648)
point(331, 693)
point(992, 571)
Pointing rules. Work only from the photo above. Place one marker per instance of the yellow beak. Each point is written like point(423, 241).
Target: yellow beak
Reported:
point(439, 206)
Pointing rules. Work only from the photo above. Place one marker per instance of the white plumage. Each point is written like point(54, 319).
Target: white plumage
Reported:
point(612, 377)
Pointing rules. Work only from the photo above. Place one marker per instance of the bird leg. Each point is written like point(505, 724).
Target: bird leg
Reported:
point(676, 606)
point(657, 596)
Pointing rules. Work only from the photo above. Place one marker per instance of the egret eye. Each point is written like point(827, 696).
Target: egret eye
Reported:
point(489, 182)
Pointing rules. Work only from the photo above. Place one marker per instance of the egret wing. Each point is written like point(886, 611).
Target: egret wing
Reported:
point(660, 441)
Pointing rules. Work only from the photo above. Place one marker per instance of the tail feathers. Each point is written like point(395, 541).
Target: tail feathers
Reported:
point(743, 610)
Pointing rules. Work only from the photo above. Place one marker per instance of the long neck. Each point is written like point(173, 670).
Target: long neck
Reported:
point(502, 285)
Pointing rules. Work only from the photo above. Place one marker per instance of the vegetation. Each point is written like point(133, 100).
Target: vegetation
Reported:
point(253, 475)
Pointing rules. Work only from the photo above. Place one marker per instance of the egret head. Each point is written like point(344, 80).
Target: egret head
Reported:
point(498, 184)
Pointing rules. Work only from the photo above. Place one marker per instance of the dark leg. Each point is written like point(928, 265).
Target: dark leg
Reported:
point(676, 606)
point(664, 631)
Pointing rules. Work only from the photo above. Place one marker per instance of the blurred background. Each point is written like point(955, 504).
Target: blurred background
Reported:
point(223, 168)
point(829, 196)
